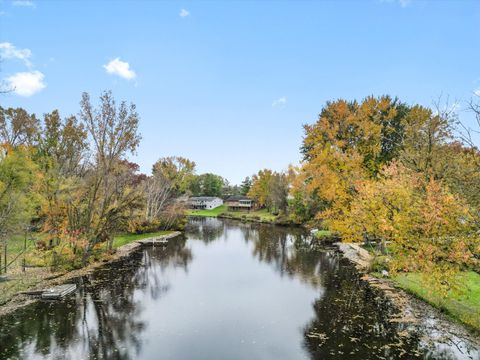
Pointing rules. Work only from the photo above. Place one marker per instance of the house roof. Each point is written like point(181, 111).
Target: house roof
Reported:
point(204, 198)
point(237, 198)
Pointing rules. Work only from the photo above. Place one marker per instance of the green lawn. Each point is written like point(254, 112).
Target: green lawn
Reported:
point(210, 213)
point(123, 239)
point(463, 306)
point(15, 245)
point(321, 234)
point(259, 215)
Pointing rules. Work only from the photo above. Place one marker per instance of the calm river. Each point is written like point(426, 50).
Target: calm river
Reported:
point(225, 290)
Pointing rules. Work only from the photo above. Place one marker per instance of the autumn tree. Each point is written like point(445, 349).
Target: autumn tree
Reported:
point(17, 193)
point(372, 129)
point(17, 127)
point(260, 189)
point(179, 170)
point(162, 210)
point(270, 189)
point(428, 229)
point(350, 141)
point(426, 134)
point(96, 209)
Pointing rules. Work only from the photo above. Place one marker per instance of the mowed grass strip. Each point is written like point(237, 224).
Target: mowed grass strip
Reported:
point(463, 305)
point(208, 213)
point(259, 215)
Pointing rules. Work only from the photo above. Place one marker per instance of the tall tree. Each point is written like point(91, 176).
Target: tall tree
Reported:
point(179, 170)
point(113, 132)
point(425, 137)
point(17, 127)
point(270, 189)
point(207, 185)
point(17, 195)
point(245, 186)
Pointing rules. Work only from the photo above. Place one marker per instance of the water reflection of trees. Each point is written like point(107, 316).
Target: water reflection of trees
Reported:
point(351, 322)
point(103, 321)
point(206, 229)
point(291, 252)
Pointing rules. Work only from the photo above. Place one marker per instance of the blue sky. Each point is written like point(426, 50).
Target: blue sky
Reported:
point(229, 84)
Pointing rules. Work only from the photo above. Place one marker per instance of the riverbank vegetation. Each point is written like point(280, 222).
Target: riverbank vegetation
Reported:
point(399, 176)
point(66, 186)
point(402, 178)
point(463, 304)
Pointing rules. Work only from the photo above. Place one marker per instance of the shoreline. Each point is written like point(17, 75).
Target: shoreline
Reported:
point(411, 309)
point(245, 218)
point(21, 299)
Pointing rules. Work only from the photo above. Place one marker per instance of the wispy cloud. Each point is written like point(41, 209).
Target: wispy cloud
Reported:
point(184, 13)
point(24, 3)
point(120, 68)
point(26, 83)
point(9, 51)
point(280, 102)
point(477, 92)
point(402, 3)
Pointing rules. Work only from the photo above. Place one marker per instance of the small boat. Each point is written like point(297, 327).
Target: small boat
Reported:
point(59, 292)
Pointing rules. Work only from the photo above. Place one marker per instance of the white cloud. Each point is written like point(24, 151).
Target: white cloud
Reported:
point(9, 51)
point(280, 102)
point(120, 68)
point(477, 92)
point(26, 83)
point(184, 13)
point(24, 3)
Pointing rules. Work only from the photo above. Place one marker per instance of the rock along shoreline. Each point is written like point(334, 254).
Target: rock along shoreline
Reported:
point(437, 328)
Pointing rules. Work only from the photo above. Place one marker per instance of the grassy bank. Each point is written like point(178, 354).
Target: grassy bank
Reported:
point(463, 305)
point(208, 213)
point(18, 281)
point(322, 234)
point(16, 244)
point(261, 215)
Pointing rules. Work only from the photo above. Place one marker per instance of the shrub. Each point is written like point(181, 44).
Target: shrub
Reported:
point(379, 263)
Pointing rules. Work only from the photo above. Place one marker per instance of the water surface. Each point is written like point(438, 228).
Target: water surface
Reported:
point(225, 290)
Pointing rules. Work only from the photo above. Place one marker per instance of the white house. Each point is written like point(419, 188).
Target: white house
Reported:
point(205, 202)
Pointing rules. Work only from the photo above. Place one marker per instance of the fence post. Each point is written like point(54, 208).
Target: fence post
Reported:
point(24, 251)
point(5, 256)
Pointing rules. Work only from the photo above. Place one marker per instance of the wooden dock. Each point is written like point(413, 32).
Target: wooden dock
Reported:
point(58, 292)
point(160, 240)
